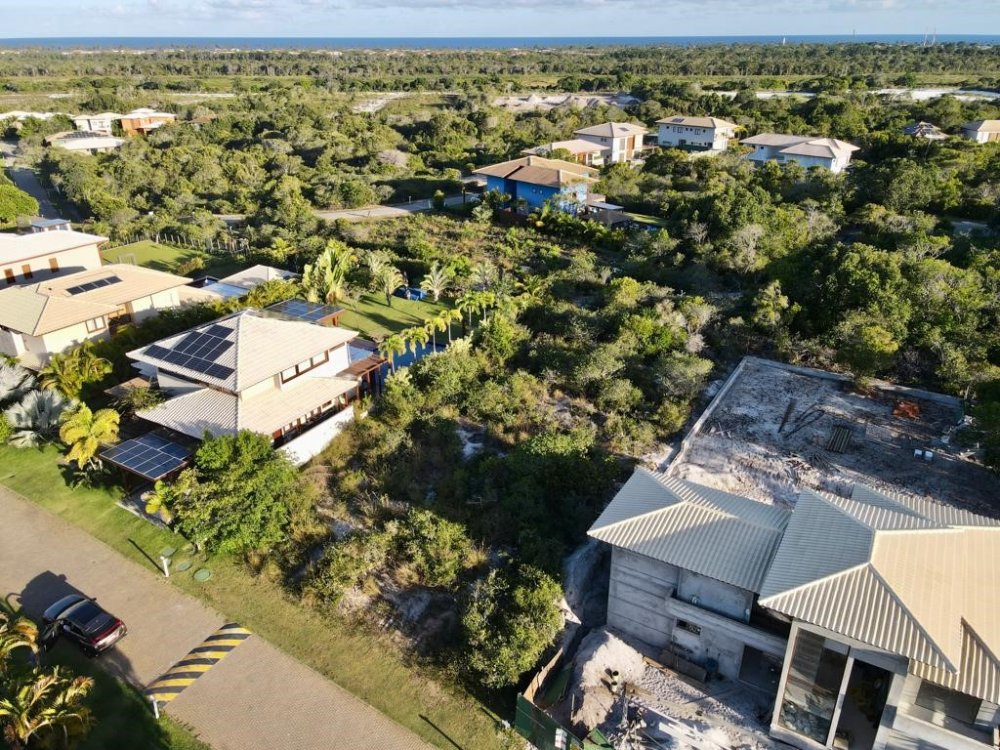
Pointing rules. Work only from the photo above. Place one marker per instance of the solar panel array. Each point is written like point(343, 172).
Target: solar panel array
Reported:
point(151, 456)
point(302, 310)
point(198, 351)
point(95, 284)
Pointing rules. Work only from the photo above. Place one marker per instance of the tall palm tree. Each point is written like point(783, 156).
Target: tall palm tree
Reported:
point(35, 418)
point(15, 382)
point(389, 280)
point(416, 337)
point(465, 305)
point(326, 279)
point(68, 373)
point(85, 432)
point(432, 326)
point(45, 708)
point(436, 281)
point(16, 632)
point(376, 260)
point(390, 347)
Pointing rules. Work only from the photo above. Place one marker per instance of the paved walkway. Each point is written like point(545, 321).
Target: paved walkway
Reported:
point(257, 698)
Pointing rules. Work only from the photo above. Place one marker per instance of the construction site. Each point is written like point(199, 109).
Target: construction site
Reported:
point(770, 433)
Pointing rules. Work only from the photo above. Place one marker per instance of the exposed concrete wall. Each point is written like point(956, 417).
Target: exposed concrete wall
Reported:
point(642, 604)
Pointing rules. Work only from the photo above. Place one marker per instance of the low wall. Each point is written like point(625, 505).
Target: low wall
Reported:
point(312, 441)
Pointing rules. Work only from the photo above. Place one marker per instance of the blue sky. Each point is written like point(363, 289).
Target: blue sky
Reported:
point(338, 18)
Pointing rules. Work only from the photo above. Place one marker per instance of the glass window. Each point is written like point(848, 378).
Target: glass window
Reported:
point(95, 324)
point(814, 678)
point(26, 271)
point(948, 703)
point(9, 275)
point(53, 265)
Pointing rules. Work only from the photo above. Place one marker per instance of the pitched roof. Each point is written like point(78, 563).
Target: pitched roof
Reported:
point(257, 275)
point(713, 533)
point(983, 126)
point(256, 348)
point(37, 309)
point(803, 145)
point(696, 122)
point(575, 146)
point(220, 413)
point(910, 577)
point(924, 130)
point(612, 130)
point(536, 170)
point(15, 247)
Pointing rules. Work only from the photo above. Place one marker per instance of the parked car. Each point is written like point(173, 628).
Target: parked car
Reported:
point(83, 621)
point(411, 292)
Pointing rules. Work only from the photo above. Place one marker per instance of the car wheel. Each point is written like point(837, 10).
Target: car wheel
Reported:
point(89, 652)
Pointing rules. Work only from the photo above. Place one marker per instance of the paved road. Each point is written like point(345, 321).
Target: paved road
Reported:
point(368, 212)
point(28, 181)
point(256, 698)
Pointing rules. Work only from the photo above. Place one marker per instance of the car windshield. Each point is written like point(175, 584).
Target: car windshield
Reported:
point(84, 613)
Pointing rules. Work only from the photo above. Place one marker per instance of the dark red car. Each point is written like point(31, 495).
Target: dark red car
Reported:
point(81, 620)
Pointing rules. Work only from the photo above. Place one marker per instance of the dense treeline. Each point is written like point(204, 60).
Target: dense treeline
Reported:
point(589, 67)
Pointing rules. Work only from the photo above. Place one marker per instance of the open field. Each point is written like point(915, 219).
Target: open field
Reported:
point(363, 663)
point(168, 258)
point(373, 318)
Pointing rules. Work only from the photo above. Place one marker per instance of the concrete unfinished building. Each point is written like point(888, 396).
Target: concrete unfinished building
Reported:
point(832, 548)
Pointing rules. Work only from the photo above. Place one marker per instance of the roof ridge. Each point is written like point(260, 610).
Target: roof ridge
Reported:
point(915, 621)
point(693, 487)
point(814, 582)
point(827, 500)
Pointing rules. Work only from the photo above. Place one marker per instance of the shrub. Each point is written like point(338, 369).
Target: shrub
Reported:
point(437, 549)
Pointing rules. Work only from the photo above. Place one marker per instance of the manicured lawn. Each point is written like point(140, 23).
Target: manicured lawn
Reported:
point(363, 663)
point(370, 315)
point(124, 718)
point(166, 258)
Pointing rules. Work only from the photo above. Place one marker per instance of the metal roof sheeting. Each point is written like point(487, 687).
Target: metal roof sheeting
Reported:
point(710, 532)
point(911, 577)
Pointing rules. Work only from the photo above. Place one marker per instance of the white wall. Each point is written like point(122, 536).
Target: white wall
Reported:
point(314, 440)
point(78, 259)
point(11, 343)
point(692, 136)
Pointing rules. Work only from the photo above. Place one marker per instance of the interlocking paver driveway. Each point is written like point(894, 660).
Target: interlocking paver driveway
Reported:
point(257, 698)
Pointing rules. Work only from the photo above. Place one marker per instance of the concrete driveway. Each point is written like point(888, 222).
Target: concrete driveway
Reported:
point(256, 698)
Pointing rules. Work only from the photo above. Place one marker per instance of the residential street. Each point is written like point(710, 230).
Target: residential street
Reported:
point(28, 181)
point(256, 698)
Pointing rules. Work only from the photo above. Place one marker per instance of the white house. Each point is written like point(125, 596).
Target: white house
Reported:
point(261, 371)
point(695, 133)
point(828, 153)
point(102, 123)
point(44, 254)
point(81, 140)
point(982, 131)
point(584, 152)
point(40, 319)
point(619, 141)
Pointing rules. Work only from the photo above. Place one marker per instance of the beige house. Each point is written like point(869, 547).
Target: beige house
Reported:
point(42, 255)
point(40, 319)
point(584, 152)
point(258, 370)
point(144, 120)
point(102, 123)
point(695, 133)
point(828, 153)
point(81, 140)
point(871, 618)
point(619, 141)
point(982, 131)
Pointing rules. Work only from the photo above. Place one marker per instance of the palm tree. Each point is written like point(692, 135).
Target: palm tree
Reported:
point(326, 280)
point(85, 432)
point(15, 382)
point(68, 373)
point(433, 325)
point(436, 281)
point(416, 337)
point(388, 281)
point(35, 418)
point(45, 708)
point(16, 632)
point(465, 305)
point(376, 260)
point(390, 347)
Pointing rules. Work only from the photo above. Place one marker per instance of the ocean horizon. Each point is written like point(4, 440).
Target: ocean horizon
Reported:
point(472, 42)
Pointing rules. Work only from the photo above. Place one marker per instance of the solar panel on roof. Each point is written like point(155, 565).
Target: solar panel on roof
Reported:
point(303, 310)
point(91, 285)
point(151, 456)
point(197, 351)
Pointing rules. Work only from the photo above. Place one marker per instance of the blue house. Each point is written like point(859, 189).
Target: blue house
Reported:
point(535, 180)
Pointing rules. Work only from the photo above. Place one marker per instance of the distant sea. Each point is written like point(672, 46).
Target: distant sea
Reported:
point(485, 42)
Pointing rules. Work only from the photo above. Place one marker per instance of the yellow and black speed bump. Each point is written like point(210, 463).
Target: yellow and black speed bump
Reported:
point(198, 661)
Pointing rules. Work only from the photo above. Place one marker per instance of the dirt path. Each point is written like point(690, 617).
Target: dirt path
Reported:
point(256, 698)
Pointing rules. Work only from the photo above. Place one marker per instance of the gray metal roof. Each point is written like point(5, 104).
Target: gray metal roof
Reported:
point(707, 531)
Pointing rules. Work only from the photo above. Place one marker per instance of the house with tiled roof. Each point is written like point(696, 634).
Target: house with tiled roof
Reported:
point(46, 254)
point(583, 152)
point(39, 319)
point(619, 141)
point(808, 151)
point(533, 181)
point(279, 372)
point(695, 133)
point(982, 131)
